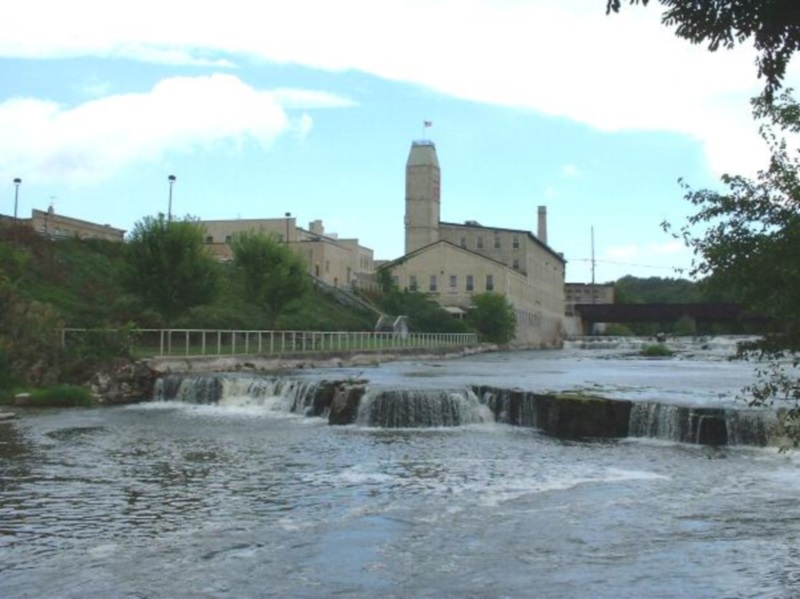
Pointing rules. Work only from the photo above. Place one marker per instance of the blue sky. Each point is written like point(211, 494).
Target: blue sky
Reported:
point(310, 107)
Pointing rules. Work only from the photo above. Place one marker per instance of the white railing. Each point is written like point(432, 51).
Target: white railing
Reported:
point(205, 342)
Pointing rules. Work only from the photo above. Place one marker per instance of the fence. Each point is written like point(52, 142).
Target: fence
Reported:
point(200, 342)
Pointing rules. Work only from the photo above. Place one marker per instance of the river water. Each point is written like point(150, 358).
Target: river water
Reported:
point(171, 499)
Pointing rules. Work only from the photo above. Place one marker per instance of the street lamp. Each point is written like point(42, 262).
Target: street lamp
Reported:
point(171, 180)
point(17, 181)
point(288, 215)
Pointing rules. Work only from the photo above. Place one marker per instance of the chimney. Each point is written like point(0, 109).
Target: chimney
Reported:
point(541, 231)
point(316, 228)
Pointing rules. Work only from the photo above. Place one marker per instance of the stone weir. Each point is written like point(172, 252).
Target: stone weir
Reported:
point(562, 415)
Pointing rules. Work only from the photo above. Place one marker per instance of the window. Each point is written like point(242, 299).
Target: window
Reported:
point(515, 242)
point(412, 282)
point(479, 243)
point(209, 239)
point(432, 285)
point(515, 264)
point(453, 281)
point(228, 239)
point(396, 281)
point(463, 242)
point(470, 284)
point(497, 242)
point(489, 283)
point(327, 266)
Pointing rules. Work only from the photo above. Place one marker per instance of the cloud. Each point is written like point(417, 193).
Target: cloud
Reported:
point(570, 171)
point(564, 58)
point(307, 99)
point(302, 127)
point(94, 140)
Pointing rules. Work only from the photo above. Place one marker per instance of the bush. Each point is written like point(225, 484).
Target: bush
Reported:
point(656, 350)
point(618, 330)
point(61, 396)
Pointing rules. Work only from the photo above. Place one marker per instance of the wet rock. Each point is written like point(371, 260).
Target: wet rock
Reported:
point(712, 428)
point(344, 407)
point(580, 416)
point(123, 382)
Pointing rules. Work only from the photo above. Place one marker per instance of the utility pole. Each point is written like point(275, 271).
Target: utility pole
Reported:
point(171, 180)
point(593, 264)
point(17, 181)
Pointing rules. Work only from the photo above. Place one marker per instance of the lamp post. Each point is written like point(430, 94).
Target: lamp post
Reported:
point(17, 181)
point(171, 180)
point(288, 215)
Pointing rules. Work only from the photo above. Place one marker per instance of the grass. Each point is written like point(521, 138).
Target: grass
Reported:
point(61, 396)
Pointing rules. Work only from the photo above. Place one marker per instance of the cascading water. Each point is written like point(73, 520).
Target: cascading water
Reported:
point(563, 416)
point(404, 408)
point(274, 393)
point(705, 426)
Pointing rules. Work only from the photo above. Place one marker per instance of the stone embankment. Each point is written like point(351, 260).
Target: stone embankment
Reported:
point(130, 382)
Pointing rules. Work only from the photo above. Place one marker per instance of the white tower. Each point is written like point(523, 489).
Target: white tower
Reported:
point(422, 195)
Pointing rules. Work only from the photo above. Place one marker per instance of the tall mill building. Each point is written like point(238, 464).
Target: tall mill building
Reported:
point(453, 262)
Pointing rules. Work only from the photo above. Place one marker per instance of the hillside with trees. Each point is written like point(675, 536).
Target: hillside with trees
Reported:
point(163, 276)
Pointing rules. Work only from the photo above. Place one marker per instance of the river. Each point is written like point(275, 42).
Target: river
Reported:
point(173, 499)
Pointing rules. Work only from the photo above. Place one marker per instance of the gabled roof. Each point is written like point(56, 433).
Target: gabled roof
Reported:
point(474, 225)
point(451, 245)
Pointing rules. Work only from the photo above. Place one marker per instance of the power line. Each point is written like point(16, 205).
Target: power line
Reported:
point(591, 260)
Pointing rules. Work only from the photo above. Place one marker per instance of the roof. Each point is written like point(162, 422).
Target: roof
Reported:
point(425, 248)
point(471, 224)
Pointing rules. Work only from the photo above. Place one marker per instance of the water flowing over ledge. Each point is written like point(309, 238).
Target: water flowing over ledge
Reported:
point(561, 415)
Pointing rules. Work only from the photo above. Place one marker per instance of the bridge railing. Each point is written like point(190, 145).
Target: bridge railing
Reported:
point(214, 342)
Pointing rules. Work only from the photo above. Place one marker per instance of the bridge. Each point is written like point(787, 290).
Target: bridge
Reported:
point(702, 314)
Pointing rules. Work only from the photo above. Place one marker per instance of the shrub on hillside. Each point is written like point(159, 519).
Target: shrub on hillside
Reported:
point(61, 396)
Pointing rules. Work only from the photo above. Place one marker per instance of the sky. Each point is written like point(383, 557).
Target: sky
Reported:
point(310, 107)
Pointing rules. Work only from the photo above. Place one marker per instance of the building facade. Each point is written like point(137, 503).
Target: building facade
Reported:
point(453, 262)
point(337, 262)
point(48, 223)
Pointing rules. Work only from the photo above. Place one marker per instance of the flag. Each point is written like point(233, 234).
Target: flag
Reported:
point(428, 123)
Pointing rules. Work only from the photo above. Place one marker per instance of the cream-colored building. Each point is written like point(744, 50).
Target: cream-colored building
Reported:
point(453, 262)
point(587, 293)
point(338, 262)
point(57, 226)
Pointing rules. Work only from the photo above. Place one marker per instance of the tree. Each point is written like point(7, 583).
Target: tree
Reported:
point(272, 275)
point(748, 238)
point(493, 317)
point(168, 266)
point(773, 25)
point(424, 314)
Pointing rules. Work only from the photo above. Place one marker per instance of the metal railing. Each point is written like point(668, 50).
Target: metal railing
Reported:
point(208, 342)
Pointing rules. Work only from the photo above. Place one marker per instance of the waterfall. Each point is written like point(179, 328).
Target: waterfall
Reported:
point(750, 427)
point(403, 408)
point(658, 421)
point(274, 393)
point(704, 426)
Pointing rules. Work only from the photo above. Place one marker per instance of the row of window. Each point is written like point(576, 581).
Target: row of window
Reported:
point(497, 242)
point(433, 283)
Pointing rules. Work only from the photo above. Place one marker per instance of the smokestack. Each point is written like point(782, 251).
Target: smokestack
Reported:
point(541, 231)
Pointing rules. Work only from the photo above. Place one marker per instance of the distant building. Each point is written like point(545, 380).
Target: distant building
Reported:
point(57, 226)
point(453, 262)
point(338, 262)
point(587, 293)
